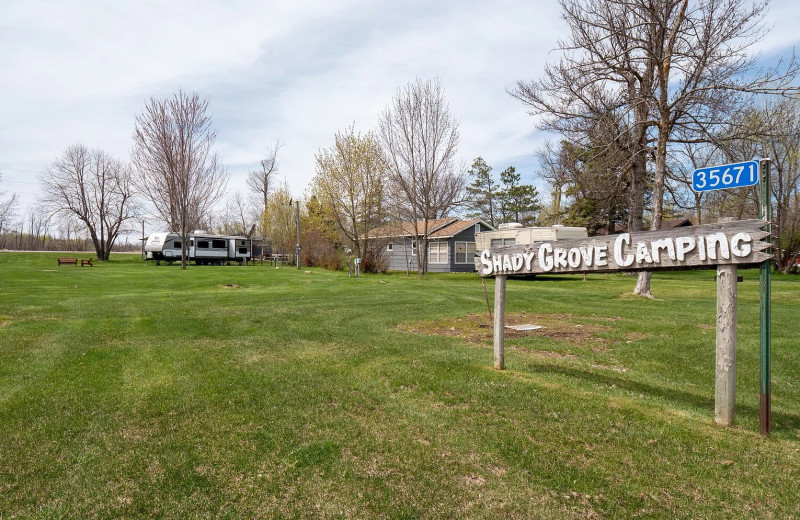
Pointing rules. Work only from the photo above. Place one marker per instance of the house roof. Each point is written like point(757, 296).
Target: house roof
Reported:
point(437, 228)
point(676, 222)
point(665, 224)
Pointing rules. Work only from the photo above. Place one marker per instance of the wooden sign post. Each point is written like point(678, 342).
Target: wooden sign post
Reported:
point(724, 246)
point(725, 380)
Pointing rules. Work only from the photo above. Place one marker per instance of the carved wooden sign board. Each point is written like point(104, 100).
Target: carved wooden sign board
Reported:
point(695, 247)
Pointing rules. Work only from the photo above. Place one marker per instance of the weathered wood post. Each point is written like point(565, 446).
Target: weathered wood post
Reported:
point(725, 380)
point(499, 321)
point(725, 387)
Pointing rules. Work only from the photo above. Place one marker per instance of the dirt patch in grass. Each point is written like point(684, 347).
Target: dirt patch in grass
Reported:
point(476, 328)
point(632, 337)
point(229, 286)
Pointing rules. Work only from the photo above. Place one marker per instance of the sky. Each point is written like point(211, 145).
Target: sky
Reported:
point(294, 72)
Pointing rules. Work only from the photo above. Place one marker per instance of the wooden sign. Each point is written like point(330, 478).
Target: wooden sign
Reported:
point(695, 247)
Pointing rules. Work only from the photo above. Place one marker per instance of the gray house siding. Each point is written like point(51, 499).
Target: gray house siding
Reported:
point(400, 257)
point(400, 253)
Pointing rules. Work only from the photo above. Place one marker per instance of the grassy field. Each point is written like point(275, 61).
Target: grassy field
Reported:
point(130, 390)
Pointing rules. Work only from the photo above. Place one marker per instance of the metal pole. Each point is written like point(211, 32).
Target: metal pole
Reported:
point(297, 247)
point(765, 213)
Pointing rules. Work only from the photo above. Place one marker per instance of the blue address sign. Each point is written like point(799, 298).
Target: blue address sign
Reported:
point(726, 176)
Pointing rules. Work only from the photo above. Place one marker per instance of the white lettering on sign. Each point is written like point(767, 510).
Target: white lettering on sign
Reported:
point(682, 246)
point(618, 258)
point(707, 245)
point(545, 258)
point(736, 244)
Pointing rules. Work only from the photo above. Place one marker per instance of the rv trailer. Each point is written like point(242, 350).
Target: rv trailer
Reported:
point(203, 248)
point(513, 233)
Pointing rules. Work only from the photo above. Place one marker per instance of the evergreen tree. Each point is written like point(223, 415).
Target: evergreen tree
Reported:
point(518, 202)
point(482, 192)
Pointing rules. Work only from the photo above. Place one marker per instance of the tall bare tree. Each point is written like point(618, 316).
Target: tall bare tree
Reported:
point(177, 168)
point(94, 188)
point(671, 64)
point(260, 180)
point(420, 136)
point(350, 183)
point(279, 220)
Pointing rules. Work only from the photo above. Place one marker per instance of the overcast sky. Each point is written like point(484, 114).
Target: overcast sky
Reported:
point(295, 71)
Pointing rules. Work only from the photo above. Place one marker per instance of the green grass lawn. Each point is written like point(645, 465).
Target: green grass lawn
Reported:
point(132, 390)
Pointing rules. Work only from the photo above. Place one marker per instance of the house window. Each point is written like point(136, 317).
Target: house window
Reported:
point(465, 252)
point(390, 247)
point(437, 253)
point(413, 247)
point(477, 228)
point(503, 242)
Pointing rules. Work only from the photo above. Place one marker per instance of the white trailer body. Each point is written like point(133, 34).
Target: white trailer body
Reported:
point(202, 248)
point(511, 234)
point(163, 246)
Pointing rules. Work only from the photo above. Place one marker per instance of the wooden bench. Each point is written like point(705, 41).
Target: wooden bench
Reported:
point(67, 261)
point(86, 262)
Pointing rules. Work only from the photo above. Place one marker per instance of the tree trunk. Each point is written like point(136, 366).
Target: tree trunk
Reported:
point(643, 283)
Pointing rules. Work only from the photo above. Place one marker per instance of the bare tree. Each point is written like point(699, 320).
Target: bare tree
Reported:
point(419, 135)
point(94, 188)
point(260, 180)
point(350, 182)
point(691, 70)
point(177, 168)
point(279, 220)
point(604, 78)
point(7, 209)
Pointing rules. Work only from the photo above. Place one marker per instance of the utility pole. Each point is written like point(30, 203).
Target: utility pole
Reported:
point(297, 218)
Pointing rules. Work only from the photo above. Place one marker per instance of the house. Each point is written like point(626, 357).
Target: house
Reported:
point(451, 244)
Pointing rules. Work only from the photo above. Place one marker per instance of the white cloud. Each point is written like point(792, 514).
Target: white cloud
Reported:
point(295, 71)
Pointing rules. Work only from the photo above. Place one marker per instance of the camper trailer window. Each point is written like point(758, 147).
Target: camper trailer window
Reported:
point(503, 242)
point(176, 245)
point(202, 244)
point(242, 250)
point(218, 244)
point(465, 252)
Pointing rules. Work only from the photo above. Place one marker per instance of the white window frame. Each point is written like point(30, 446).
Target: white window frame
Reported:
point(466, 252)
point(439, 245)
point(478, 227)
point(413, 246)
point(390, 246)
